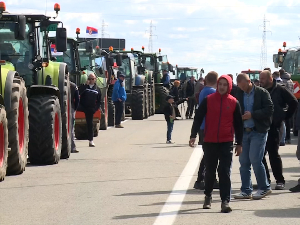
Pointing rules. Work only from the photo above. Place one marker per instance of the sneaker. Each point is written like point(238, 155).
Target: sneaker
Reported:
point(216, 184)
point(225, 208)
point(74, 151)
point(295, 189)
point(279, 186)
point(243, 195)
point(119, 126)
point(91, 144)
point(199, 185)
point(169, 142)
point(261, 194)
point(207, 202)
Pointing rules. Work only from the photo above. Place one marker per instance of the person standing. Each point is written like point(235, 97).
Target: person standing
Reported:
point(281, 98)
point(90, 101)
point(218, 140)
point(257, 110)
point(286, 79)
point(119, 97)
point(189, 93)
point(211, 84)
point(74, 104)
point(170, 116)
point(166, 79)
point(234, 86)
point(198, 88)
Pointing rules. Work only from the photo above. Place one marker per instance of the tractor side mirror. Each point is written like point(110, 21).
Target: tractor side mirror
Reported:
point(160, 58)
point(119, 60)
point(151, 61)
point(20, 28)
point(111, 61)
point(61, 39)
point(170, 67)
point(89, 47)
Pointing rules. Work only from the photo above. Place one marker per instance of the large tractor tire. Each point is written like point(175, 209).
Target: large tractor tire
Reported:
point(81, 132)
point(161, 94)
point(146, 102)
point(18, 125)
point(137, 104)
point(152, 99)
point(66, 120)
point(45, 130)
point(104, 115)
point(111, 113)
point(3, 143)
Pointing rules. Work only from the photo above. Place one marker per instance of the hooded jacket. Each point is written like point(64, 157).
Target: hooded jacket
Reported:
point(286, 79)
point(222, 115)
point(119, 91)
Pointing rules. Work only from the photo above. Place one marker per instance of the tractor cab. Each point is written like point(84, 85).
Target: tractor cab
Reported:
point(253, 74)
point(185, 73)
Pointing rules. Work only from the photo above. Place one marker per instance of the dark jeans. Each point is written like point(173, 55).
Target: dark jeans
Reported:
point(201, 171)
point(190, 108)
point(272, 148)
point(119, 107)
point(169, 131)
point(218, 153)
point(89, 123)
point(288, 129)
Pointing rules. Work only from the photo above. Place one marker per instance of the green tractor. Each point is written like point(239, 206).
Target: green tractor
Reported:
point(25, 41)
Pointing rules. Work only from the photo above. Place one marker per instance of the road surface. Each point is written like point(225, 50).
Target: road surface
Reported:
point(132, 177)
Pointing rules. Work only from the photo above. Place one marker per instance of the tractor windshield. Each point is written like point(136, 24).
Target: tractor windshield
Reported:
point(126, 69)
point(185, 74)
point(149, 63)
point(16, 53)
point(66, 57)
point(291, 62)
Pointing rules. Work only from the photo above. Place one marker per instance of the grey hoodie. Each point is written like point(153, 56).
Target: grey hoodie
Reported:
point(286, 79)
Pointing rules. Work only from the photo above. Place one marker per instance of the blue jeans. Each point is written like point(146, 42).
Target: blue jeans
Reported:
point(253, 152)
point(170, 129)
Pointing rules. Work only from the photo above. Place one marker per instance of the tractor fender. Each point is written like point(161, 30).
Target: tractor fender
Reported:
point(8, 89)
point(139, 80)
point(43, 90)
point(61, 80)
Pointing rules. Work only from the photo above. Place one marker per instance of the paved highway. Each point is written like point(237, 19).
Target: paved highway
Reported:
point(132, 177)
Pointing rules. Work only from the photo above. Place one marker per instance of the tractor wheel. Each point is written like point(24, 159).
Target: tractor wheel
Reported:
point(137, 104)
point(146, 102)
point(18, 125)
point(45, 129)
point(96, 128)
point(81, 131)
point(152, 100)
point(111, 113)
point(161, 94)
point(149, 100)
point(104, 116)
point(66, 121)
point(3, 143)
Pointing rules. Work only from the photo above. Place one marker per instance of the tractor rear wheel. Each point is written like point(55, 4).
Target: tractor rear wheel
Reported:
point(45, 129)
point(137, 104)
point(3, 143)
point(66, 120)
point(161, 94)
point(18, 125)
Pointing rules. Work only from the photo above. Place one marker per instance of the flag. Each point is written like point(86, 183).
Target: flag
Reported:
point(54, 52)
point(91, 31)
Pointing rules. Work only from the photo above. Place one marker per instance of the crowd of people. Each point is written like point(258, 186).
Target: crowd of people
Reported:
point(253, 117)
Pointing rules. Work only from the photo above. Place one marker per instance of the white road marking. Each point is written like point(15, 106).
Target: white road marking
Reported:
point(169, 211)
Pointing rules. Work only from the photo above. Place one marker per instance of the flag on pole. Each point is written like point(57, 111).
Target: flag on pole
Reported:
point(91, 31)
point(54, 52)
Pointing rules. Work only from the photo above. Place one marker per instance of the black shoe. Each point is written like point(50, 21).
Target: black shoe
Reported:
point(74, 151)
point(199, 185)
point(225, 208)
point(295, 189)
point(216, 185)
point(207, 202)
point(255, 186)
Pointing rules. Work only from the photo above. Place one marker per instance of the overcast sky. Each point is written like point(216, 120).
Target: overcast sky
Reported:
point(224, 36)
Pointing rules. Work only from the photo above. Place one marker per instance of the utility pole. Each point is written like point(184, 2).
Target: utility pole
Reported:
point(150, 45)
point(264, 50)
point(102, 33)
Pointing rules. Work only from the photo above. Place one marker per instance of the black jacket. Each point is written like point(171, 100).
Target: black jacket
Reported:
point(74, 95)
point(175, 93)
point(190, 89)
point(233, 90)
point(168, 111)
point(262, 108)
point(90, 98)
point(281, 97)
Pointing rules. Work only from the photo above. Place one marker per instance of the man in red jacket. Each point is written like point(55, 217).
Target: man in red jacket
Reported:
point(223, 117)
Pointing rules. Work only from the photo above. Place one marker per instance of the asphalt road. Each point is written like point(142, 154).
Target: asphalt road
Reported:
point(132, 177)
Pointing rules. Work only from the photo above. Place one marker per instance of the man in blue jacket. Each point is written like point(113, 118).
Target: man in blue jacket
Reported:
point(119, 97)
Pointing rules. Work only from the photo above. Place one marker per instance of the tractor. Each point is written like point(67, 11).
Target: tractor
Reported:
point(3, 134)
point(253, 74)
point(289, 60)
point(26, 63)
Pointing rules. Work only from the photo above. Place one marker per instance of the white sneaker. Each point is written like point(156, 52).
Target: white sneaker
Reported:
point(243, 195)
point(261, 194)
point(91, 144)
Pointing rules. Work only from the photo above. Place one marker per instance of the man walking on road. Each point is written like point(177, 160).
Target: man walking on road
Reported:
point(119, 97)
point(90, 101)
point(74, 104)
point(218, 140)
point(189, 93)
point(281, 98)
point(257, 110)
point(211, 84)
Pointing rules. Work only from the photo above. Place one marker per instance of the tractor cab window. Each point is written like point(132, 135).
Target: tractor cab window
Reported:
point(16, 53)
point(289, 62)
point(126, 70)
point(253, 76)
point(66, 57)
point(148, 64)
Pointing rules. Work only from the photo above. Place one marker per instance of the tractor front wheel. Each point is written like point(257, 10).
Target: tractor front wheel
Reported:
point(137, 104)
point(3, 143)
